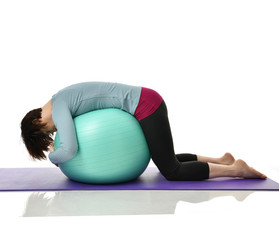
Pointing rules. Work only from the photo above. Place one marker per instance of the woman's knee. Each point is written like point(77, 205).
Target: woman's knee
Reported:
point(169, 175)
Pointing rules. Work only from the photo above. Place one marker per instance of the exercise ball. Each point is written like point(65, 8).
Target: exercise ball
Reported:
point(111, 148)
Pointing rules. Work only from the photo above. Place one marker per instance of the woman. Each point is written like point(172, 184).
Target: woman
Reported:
point(149, 109)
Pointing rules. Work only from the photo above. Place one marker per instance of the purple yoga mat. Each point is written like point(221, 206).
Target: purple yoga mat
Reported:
point(52, 179)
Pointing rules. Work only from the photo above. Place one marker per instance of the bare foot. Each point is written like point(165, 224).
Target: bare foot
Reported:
point(227, 159)
point(245, 171)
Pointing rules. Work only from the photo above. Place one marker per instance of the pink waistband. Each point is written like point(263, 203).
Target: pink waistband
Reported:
point(149, 102)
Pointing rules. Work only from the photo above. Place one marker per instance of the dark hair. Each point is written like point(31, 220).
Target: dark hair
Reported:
point(34, 139)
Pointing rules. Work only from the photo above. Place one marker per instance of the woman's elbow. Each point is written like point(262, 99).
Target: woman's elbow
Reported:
point(71, 152)
point(62, 154)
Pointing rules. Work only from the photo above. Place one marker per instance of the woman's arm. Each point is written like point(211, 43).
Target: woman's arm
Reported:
point(66, 129)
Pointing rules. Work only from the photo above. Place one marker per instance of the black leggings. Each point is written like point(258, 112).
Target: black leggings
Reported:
point(180, 167)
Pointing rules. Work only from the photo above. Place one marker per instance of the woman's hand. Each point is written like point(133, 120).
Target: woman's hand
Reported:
point(51, 147)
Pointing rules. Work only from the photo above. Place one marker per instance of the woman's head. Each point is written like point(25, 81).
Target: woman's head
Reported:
point(34, 137)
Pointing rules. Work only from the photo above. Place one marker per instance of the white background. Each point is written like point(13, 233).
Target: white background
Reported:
point(214, 62)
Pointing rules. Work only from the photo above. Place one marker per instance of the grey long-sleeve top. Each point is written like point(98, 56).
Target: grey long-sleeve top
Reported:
point(81, 98)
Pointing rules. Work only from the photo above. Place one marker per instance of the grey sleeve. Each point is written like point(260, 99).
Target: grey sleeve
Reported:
point(66, 129)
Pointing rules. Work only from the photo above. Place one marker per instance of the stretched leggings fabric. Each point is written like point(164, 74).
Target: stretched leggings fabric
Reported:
point(174, 167)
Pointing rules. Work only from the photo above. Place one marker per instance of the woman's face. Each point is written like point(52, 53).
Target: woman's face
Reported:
point(48, 128)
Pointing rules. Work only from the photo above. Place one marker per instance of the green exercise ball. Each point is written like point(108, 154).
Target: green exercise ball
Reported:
point(111, 148)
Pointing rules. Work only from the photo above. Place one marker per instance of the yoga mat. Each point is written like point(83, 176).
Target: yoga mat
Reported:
point(52, 179)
